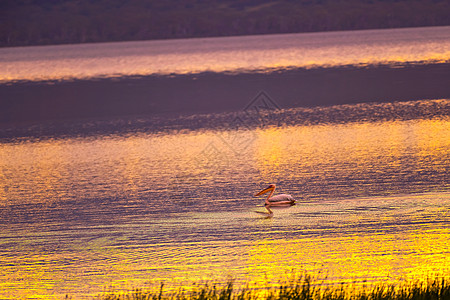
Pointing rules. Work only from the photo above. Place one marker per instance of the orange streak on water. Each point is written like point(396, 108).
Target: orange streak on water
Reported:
point(374, 238)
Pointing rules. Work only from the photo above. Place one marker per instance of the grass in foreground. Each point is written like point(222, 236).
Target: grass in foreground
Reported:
point(302, 288)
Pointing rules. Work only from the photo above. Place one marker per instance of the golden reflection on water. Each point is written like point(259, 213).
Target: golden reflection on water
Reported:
point(404, 146)
point(387, 257)
point(409, 146)
point(346, 237)
point(228, 54)
point(386, 251)
point(69, 168)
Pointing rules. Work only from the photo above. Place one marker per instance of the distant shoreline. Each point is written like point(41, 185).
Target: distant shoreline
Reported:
point(219, 92)
point(26, 23)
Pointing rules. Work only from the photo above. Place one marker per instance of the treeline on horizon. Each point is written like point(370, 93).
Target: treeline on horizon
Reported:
point(43, 22)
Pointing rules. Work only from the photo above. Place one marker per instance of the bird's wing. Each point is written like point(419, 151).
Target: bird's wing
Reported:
point(281, 197)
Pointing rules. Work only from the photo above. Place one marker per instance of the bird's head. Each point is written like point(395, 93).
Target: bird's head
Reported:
point(267, 189)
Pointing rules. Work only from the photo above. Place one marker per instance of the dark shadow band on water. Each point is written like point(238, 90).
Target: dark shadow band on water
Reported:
point(29, 103)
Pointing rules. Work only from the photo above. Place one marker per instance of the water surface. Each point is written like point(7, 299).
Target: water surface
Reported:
point(131, 201)
point(226, 54)
point(80, 213)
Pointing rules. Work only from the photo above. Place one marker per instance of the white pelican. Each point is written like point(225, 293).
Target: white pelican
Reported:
point(278, 200)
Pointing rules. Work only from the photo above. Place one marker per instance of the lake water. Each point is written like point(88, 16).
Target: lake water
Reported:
point(226, 54)
point(133, 202)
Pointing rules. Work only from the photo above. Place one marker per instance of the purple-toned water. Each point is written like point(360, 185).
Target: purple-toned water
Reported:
point(226, 54)
point(132, 201)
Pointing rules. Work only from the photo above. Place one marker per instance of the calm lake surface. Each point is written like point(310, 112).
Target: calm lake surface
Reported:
point(226, 54)
point(171, 199)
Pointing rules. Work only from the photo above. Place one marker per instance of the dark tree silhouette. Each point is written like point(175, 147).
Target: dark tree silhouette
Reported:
point(38, 22)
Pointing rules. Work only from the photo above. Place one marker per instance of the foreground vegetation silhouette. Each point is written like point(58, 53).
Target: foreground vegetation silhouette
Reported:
point(302, 288)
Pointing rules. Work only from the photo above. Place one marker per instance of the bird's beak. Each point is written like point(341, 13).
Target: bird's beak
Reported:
point(267, 189)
